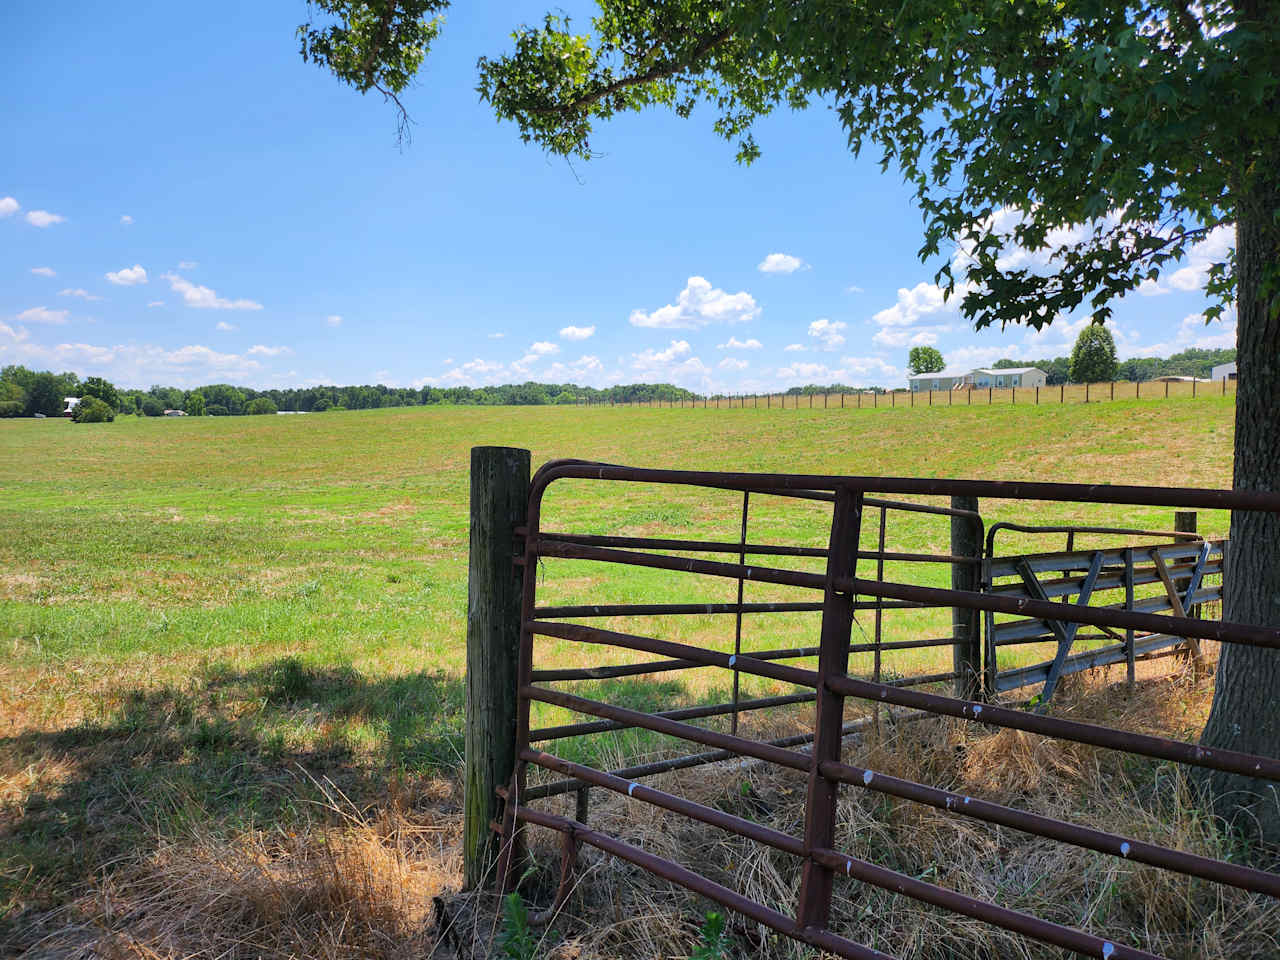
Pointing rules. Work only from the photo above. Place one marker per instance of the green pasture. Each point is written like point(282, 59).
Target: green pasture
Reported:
point(203, 617)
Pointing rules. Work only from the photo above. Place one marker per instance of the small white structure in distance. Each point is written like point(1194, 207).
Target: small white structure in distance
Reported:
point(951, 379)
point(71, 404)
point(1224, 371)
point(981, 378)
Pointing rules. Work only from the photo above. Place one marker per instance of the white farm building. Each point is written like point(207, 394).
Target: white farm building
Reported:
point(981, 378)
point(1224, 371)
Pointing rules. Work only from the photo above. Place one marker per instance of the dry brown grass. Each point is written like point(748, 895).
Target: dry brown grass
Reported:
point(360, 883)
point(619, 911)
point(354, 885)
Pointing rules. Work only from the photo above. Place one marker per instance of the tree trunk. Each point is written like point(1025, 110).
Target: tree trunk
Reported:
point(1246, 704)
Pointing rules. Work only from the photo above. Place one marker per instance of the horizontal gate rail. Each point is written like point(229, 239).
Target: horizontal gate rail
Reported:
point(1052, 602)
point(582, 611)
point(664, 666)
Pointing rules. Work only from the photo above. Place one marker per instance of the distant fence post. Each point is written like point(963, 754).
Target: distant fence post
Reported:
point(499, 503)
point(966, 541)
point(1184, 521)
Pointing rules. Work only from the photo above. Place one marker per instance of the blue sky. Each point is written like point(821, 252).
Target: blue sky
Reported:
point(183, 201)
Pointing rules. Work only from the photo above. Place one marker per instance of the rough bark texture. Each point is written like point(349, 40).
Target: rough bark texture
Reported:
point(1246, 704)
point(499, 502)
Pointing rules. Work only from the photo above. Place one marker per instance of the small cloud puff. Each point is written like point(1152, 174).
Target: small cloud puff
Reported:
point(780, 263)
point(129, 276)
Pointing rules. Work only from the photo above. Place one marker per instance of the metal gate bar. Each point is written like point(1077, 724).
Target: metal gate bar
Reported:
point(830, 683)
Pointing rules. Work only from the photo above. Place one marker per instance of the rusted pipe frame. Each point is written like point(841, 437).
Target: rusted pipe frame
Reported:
point(569, 845)
point(671, 728)
point(1159, 748)
point(890, 880)
point(1208, 499)
point(1045, 931)
point(612, 671)
point(747, 663)
point(1175, 535)
point(1189, 864)
point(668, 801)
point(823, 939)
point(701, 609)
point(685, 713)
point(750, 549)
point(1221, 631)
point(654, 768)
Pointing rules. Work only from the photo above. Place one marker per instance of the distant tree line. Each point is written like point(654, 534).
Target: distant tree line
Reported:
point(25, 393)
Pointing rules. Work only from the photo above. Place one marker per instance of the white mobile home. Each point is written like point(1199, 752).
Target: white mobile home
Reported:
point(1010, 377)
point(954, 379)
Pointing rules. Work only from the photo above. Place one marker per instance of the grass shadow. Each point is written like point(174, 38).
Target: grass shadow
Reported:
point(228, 751)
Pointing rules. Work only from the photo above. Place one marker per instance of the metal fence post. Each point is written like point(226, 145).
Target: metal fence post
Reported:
point(966, 541)
point(499, 503)
point(814, 907)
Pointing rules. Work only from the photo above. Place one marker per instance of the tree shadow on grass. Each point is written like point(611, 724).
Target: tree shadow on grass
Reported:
point(270, 746)
point(273, 747)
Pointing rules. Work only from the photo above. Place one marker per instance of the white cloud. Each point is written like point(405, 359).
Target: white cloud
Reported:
point(1151, 288)
point(577, 333)
point(905, 337)
point(155, 303)
point(970, 358)
point(1191, 332)
point(794, 348)
point(332, 320)
point(676, 363)
point(78, 292)
point(853, 288)
point(137, 365)
point(733, 363)
point(472, 373)
point(496, 336)
point(805, 371)
point(126, 219)
point(875, 368)
point(828, 332)
point(8, 207)
point(780, 263)
point(204, 298)
point(1212, 249)
point(187, 264)
point(129, 276)
point(920, 301)
point(42, 218)
point(544, 348)
point(44, 315)
point(263, 351)
point(586, 369)
point(856, 369)
point(735, 344)
point(698, 305)
point(225, 327)
point(44, 271)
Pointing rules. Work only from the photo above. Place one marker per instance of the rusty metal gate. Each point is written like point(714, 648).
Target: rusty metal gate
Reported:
point(842, 590)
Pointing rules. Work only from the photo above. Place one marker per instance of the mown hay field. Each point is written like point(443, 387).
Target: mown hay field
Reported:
point(227, 631)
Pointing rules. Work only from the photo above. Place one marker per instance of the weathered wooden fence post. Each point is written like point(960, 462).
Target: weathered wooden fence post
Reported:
point(499, 503)
point(966, 541)
point(1184, 521)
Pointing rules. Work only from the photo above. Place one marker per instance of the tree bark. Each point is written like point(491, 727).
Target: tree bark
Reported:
point(1246, 705)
